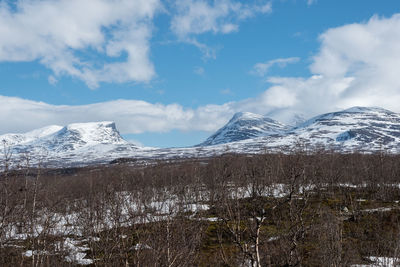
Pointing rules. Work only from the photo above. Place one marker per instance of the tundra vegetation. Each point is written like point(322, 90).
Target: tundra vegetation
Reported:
point(297, 209)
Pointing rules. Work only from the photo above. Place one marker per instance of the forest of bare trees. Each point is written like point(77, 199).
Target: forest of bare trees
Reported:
point(299, 209)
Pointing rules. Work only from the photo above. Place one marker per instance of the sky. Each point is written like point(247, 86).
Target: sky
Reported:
point(171, 72)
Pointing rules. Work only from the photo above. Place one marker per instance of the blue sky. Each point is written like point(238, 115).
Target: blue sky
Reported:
point(189, 65)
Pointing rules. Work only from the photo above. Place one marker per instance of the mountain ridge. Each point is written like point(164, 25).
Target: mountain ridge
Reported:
point(245, 125)
point(360, 129)
point(65, 139)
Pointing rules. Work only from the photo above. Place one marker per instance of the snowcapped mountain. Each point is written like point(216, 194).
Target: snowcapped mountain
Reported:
point(79, 135)
point(355, 129)
point(245, 125)
point(78, 142)
point(71, 137)
point(19, 139)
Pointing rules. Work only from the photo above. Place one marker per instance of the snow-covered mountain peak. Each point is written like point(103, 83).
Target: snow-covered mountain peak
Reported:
point(245, 125)
point(73, 137)
point(353, 115)
point(23, 138)
point(43, 131)
point(92, 132)
point(355, 129)
point(246, 116)
point(358, 109)
point(91, 125)
point(362, 128)
point(78, 135)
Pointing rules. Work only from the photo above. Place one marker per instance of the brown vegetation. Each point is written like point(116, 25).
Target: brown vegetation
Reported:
point(314, 209)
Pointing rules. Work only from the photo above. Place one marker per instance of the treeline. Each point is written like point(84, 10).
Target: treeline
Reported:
point(300, 209)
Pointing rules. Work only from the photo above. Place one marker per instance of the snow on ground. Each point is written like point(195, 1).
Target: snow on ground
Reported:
point(380, 262)
point(129, 212)
point(76, 252)
point(381, 209)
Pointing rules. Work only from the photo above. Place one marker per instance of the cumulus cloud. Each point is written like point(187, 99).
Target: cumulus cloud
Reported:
point(58, 32)
point(219, 16)
point(108, 40)
point(357, 64)
point(131, 116)
point(261, 69)
point(194, 17)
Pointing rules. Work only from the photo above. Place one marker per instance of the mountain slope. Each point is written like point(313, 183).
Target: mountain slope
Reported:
point(78, 142)
point(244, 125)
point(79, 135)
point(357, 128)
point(19, 139)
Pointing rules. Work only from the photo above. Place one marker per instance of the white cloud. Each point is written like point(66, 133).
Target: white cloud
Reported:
point(135, 142)
point(108, 41)
point(56, 32)
point(229, 27)
point(131, 116)
point(261, 69)
point(219, 16)
point(194, 17)
point(266, 8)
point(357, 64)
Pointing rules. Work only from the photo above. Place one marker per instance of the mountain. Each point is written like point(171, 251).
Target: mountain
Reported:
point(79, 135)
point(24, 138)
point(77, 142)
point(71, 137)
point(245, 125)
point(356, 129)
